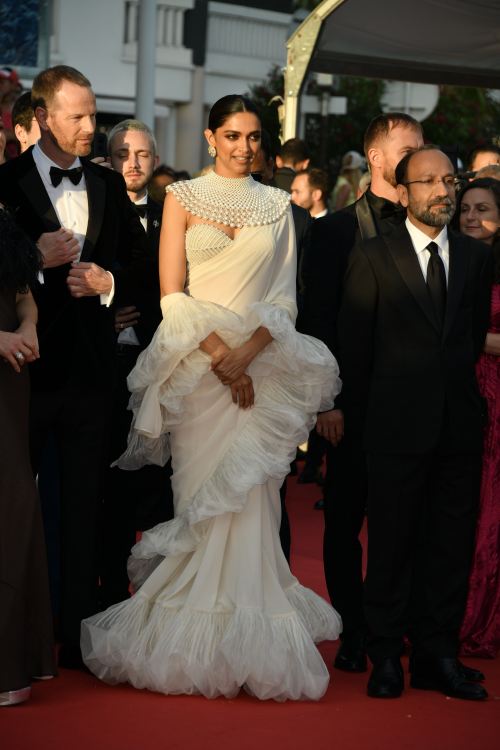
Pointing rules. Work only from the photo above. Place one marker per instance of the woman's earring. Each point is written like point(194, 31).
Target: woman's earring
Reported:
point(212, 152)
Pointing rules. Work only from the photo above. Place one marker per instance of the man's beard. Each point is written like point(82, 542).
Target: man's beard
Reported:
point(73, 149)
point(439, 218)
point(389, 176)
point(137, 184)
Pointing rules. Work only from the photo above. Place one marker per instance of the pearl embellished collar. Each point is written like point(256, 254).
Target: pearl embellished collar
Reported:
point(231, 201)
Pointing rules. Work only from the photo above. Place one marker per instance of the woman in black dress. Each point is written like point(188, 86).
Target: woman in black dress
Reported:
point(26, 645)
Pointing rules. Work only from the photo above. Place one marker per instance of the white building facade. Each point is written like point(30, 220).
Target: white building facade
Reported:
point(204, 50)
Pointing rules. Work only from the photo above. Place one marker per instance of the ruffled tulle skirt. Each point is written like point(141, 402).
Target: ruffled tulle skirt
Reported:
point(216, 608)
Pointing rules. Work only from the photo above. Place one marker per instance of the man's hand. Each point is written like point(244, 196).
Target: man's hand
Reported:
point(125, 317)
point(330, 425)
point(58, 248)
point(88, 280)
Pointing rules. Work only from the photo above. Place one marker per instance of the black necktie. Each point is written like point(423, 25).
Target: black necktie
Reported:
point(141, 209)
point(436, 281)
point(56, 175)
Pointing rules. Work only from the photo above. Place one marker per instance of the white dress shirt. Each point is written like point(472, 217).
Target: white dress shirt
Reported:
point(70, 203)
point(420, 240)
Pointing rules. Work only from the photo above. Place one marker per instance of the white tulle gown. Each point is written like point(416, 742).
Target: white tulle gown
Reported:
point(216, 607)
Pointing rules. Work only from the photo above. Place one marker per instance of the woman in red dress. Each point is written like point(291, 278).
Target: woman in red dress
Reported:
point(478, 212)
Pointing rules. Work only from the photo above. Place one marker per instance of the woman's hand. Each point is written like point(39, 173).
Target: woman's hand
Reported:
point(19, 347)
point(242, 391)
point(231, 364)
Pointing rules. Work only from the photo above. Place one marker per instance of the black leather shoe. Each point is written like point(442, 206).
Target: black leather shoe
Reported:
point(386, 679)
point(351, 656)
point(470, 674)
point(446, 676)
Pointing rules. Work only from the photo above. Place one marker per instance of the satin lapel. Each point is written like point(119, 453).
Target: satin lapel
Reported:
point(96, 196)
point(32, 185)
point(404, 256)
point(456, 276)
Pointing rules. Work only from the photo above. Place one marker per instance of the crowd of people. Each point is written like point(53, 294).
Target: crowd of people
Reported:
point(167, 343)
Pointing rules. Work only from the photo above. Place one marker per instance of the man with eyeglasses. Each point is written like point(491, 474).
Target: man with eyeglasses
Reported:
point(412, 323)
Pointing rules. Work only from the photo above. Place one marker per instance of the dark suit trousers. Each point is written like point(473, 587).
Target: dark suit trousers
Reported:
point(345, 497)
point(422, 512)
point(78, 416)
point(133, 500)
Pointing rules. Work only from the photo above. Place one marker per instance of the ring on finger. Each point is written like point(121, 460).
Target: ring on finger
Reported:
point(19, 356)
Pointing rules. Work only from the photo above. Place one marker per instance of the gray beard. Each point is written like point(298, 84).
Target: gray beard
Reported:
point(435, 219)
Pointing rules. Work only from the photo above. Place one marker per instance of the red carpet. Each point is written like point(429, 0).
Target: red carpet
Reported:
point(76, 712)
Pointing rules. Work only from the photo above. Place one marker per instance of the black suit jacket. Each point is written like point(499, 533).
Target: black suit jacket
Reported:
point(77, 335)
point(407, 384)
point(147, 299)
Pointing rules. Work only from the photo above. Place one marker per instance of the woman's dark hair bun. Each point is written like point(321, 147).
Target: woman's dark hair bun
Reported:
point(227, 106)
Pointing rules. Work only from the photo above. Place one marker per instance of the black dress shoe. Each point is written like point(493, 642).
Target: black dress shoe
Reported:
point(470, 674)
point(386, 679)
point(351, 656)
point(446, 676)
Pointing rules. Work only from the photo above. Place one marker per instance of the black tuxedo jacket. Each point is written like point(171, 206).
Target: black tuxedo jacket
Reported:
point(407, 384)
point(147, 299)
point(77, 336)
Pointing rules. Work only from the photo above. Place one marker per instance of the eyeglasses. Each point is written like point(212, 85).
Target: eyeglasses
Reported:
point(449, 182)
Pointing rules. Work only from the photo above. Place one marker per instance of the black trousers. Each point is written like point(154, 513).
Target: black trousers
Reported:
point(133, 500)
point(345, 495)
point(422, 512)
point(78, 418)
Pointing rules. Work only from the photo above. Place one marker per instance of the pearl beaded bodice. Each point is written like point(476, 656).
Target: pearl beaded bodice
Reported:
point(231, 201)
point(203, 242)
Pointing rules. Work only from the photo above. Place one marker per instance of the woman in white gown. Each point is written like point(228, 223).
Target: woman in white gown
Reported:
point(230, 388)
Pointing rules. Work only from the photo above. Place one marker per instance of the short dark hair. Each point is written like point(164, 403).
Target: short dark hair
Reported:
point(294, 150)
point(227, 106)
point(381, 126)
point(22, 112)
point(48, 82)
point(164, 169)
point(484, 149)
point(401, 171)
point(317, 178)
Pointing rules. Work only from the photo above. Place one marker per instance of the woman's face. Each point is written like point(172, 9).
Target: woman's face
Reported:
point(237, 141)
point(479, 215)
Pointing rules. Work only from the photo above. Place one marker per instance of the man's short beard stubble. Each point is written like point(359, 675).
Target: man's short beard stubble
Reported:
point(439, 218)
point(75, 151)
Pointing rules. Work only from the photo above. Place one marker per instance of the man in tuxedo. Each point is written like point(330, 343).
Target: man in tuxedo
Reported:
point(292, 158)
point(309, 189)
point(93, 250)
point(412, 322)
point(133, 499)
point(387, 139)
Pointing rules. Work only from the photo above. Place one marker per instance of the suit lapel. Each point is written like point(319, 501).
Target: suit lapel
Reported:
point(404, 256)
point(96, 196)
point(456, 276)
point(32, 186)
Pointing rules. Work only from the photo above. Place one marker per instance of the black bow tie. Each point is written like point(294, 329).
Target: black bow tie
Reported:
point(141, 209)
point(56, 175)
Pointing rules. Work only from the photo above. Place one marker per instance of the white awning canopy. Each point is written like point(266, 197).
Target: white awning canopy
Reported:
point(426, 41)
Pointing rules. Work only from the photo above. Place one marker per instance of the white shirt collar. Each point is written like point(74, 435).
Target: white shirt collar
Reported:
point(44, 163)
point(141, 201)
point(420, 240)
point(321, 214)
